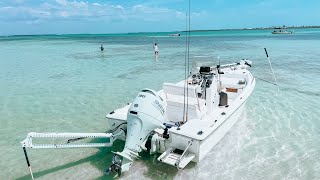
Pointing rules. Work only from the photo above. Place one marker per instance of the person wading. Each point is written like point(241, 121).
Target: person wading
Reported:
point(156, 50)
point(101, 48)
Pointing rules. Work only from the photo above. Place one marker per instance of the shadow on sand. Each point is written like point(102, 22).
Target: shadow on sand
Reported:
point(101, 160)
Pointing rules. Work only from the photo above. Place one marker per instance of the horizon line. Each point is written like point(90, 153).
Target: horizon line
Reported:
point(195, 30)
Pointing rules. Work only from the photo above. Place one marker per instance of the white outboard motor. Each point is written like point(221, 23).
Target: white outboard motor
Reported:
point(146, 113)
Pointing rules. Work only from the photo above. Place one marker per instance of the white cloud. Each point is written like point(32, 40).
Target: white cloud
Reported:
point(180, 15)
point(147, 13)
point(64, 14)
point(83, 10)
point(96, 4)
point(62, 2)
point(198, 14)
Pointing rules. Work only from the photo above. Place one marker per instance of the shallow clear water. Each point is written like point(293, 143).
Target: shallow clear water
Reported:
point(64, 84)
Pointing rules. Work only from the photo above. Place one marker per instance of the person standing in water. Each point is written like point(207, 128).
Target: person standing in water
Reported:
point(101, 48)
point(156, 50)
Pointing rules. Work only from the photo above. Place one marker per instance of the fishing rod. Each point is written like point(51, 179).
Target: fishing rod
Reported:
point(186, 67)
point(185, 72)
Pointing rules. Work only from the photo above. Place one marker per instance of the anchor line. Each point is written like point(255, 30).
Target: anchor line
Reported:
point(266, 81)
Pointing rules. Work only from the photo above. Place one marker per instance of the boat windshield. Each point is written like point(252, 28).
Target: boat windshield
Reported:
point(198, 61)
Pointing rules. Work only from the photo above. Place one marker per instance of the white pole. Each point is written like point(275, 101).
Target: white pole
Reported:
point(31, 173)
point(275, 79)
point(27, 159)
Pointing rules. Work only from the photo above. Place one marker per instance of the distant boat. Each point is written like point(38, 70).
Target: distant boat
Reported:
point(282, 30)
point(176, 34)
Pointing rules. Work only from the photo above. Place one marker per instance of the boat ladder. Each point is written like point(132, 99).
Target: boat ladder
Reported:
point(176, 157)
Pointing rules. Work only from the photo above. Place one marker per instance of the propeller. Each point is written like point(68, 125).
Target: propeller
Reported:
point(115, 167)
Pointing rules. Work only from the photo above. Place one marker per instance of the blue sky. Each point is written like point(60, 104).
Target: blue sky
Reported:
point(121, 16)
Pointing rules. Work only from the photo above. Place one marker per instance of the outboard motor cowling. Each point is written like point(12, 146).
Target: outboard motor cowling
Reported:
point(146, 113)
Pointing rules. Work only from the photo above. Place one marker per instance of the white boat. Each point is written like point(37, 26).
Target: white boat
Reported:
point(282, 31)
point(176, 34)
point(185, 120)
point(182, 122)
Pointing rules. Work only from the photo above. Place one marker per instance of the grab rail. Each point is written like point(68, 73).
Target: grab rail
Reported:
point(178, 162)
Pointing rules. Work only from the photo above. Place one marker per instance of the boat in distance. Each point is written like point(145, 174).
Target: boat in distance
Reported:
point(175, 34)
point(282, 32)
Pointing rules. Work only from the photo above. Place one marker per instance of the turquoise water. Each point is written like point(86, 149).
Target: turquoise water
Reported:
point(63, 83)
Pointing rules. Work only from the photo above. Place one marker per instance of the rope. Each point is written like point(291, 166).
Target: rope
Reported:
point(266, 81)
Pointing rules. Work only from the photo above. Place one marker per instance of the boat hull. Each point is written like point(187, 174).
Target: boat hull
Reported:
point(207, 132)
point(195, 138)
point(202, 147)
point(208, 144)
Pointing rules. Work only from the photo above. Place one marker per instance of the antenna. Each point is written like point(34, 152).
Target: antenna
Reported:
point(188, 58)
point(185, 73)
point(187, 65)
